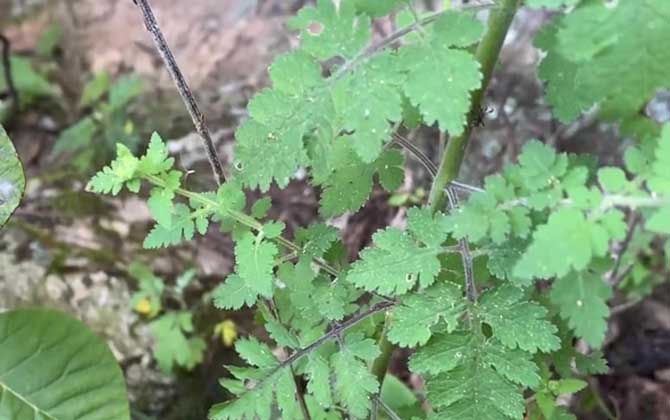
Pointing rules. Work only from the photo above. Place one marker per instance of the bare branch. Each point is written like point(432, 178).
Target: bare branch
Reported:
point(187, 96)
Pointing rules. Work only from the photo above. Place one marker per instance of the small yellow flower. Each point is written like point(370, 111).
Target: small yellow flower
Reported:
point(143, 306)
point(227, 330)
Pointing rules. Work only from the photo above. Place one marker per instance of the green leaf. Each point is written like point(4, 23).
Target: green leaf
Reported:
point(124, 90)
point(567, 241)
point(157, 159)
point(234, 293)
point(328, 30)
point(396, 261)
point(95, 89)
point(457, 29)
point(349, 186)
point(612, 179)
point(659, 222)
point(161, 206)
point(567, 386)
point(376, 8)
point(53, 367)
point(353, 383)
point(254, 260)
point(582, 300)
point(629, 33)
point(368, 101)
point(413, 319)
point(181, 227)
point(12, 179)
point(77, 136)
point(469, 384)
point(173, 346)
point(518, 322)
point(256, 353)
point(31, 84)
point(660, 179)
point(458, 76)
point(111, 178)
point(266, 155)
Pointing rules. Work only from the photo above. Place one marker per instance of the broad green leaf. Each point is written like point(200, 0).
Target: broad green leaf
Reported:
point(53, 367)
point(397, 262)
point(582, 301)
point(12, 179)
point(516, 321)
point(659, 222)
point(457, 29)
point(413, 319)
point(328, 30)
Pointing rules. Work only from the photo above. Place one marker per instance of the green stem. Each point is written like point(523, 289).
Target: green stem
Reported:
point(487, 55)
point(381, 363)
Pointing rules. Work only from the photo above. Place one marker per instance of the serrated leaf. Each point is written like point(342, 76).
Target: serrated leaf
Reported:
point(459, 75)
point(413, 319)
point(518, 322)
point(256, 353)
point(567, 241)
point(265, 155)
point(353, 383)
point(181, 227)
point(254, 260)
point(318, 372)
point(111, 178)
point(368, 101)
point(328, 30)
point(157, 159)
point(457, 29)
point(582, 300)
point(376, 8)
point(396, 262)
point(445, 352)
point(349, 186)
point(234, 293)
point(280, 334)
point(161, 206)
point(250, 405)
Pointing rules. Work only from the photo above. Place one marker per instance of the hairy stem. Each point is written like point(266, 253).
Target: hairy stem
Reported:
point(184, 91)
point(487, 54)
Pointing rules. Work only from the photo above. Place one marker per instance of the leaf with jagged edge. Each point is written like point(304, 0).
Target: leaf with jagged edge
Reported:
point(414, 317)
point(368, 101)
point(659, 180)
point(354, 383)
point(328, 30)
point(582, 301)
point(517, 322)
point(468, 378)
point(173, 346)
point(396, 262)
point(234, 293)
point(568, 241)
point(442, 96)
point(254, 262)
point(349, 186)
point(265, 155)
point(111, 178)
point(181, 227)
point(628, 33)
point(157, 159)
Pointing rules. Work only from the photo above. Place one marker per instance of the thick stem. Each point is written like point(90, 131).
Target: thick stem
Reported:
point(487, 54)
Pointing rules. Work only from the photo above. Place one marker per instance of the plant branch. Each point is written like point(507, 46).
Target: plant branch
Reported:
point(487, 54)
point(466, 255)
point(7, 70)
point(184, 91)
